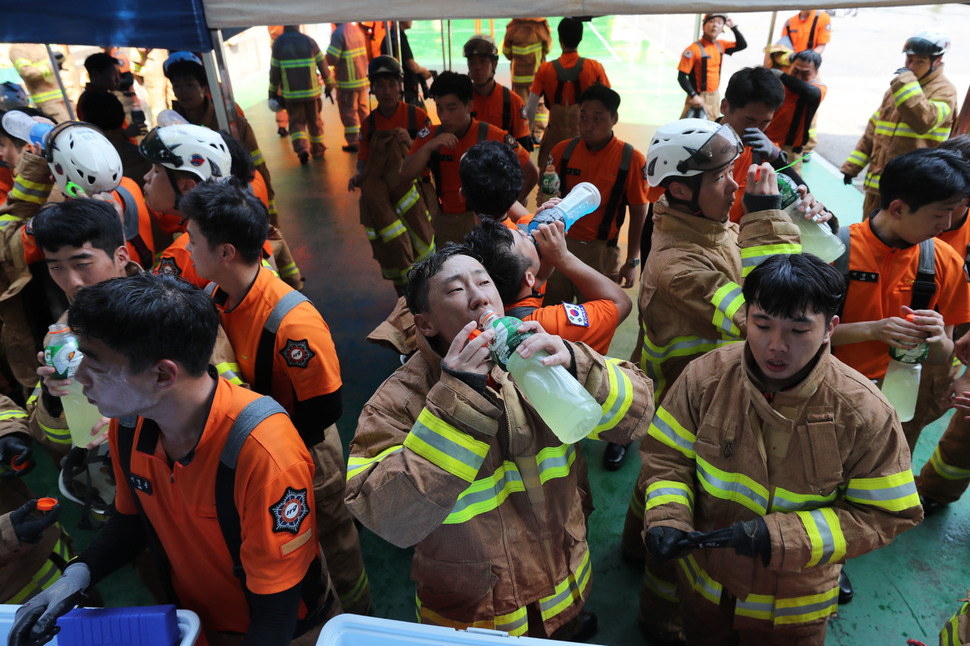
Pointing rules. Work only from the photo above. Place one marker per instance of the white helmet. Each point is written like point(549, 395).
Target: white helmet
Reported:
point(690, 147)
point(194, 149)
point(80, 157)
point(927, 42)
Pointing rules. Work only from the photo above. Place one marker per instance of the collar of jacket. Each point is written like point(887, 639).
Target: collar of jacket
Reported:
point(675, 224)
point(793, 397)
point(932, 75)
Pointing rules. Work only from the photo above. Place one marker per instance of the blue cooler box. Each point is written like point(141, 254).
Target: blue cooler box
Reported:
point(356, 630)
point(147, 626)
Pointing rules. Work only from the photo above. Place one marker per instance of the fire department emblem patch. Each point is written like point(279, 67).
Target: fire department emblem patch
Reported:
point(688, 53)
point(510, 141)
point(576, 314)
point(297, 353)
point(289, 512)
point(168, 267)
point(196, 159)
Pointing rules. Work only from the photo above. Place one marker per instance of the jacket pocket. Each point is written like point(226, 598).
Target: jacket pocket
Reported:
point(459, 591)
point(824, 468)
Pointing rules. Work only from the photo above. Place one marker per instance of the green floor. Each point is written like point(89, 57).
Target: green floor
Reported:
point(906, 590)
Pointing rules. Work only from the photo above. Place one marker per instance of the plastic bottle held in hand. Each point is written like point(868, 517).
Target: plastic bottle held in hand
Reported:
point(561, 401)
point(581, 201)
point(817, 237)
point(901, 383)
point(23, 127)
point(62, 355)
point(549, 183)
point(169, 117)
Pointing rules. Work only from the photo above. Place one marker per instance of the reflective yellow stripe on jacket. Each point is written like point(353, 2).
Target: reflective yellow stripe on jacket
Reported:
point(751, 257)
point(445, 446)
point(50, 95)
point(618, 400)
point(667, 430)
point(950, 636)
point(61, 436)
point(947, 471)
point(652, 357)
point(825, 534)
point(663, 492)
point(727, 300)
point(44, 577)
point(893, 493)
point(33, 192)
point(734, 487)
point(858, 158)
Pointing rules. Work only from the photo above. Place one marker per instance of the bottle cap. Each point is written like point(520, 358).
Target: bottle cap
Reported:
point(910, 317)
point(474, 334)
point(19, 463)
point(46, 504)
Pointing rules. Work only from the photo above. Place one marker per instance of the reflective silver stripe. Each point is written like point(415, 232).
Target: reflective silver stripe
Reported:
point(665, 429)
point(732, 490)
point(947, 471)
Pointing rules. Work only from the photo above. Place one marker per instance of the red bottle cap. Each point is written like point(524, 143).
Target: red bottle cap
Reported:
point(46, 504)
point(910, 317)
point(19, 463)
point(474, 334)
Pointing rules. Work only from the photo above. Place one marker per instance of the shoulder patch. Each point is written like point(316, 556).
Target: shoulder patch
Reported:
point(297, 353)
point(688, 53)
point(576, 314)
point(510, 141)
point(168, 267)
point(141, 484)
point(828, 27)
point(424, 132)
point(524, 114)
point(289, 511)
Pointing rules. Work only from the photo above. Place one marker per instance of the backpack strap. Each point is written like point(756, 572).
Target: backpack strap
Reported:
point(616, 205)
point(924, 285)
point(564, 164)
point(506, 110)
point(434, 164)
point(131, 223)
point(564, 76)
point(372, 125)
point(263, 364)
point(482, 131)
point(412, 121)
point(811, 33)
point(210, 289)
point(521, 311)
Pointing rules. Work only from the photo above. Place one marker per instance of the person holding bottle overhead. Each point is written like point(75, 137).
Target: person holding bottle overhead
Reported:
point(439, 440)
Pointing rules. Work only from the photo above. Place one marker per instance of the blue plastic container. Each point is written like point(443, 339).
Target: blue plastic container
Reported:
point(148, 626)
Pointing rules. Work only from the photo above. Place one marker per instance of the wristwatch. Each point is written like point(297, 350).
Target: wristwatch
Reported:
point(634, 261)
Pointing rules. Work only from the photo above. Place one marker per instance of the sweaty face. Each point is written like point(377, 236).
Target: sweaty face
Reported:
point(158, 191)
point(188, 92)
point(713, 28)
point(918, 65)
point(387, 90)
point(460, 292)
point(782, 346)
point(595, 124)
point(74, 268)
point(109, 382)
point(453, 113)
point(525, 247)
point(927, 221)
point(804, 71)
point(717, 193)
point(481, 69)
point(754, 115)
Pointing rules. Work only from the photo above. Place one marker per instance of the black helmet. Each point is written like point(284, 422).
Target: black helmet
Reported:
point(384, 65)
point(481, 45)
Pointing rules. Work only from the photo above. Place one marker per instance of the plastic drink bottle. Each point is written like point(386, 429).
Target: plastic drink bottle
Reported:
point(62, 355)
point(901, 383)
point(169, 117)
point(582, 200)
point(817, 238)
point(549, 183)
point(561, 401)
point(23, 127)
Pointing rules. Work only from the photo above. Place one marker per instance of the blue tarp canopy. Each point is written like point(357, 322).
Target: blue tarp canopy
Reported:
point(165, 24)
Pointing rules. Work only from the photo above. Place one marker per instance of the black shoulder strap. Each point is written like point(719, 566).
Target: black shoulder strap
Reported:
point(210, 289)
point(616, 205)
point(482, 131)
point(842, 262)
point(263, 364)
point(924, 285)
point(811, 33)
point(372, 125)
point(229, 522)
point(564, 76)
point(412, 121)
point(132, 227)
point(506, 110)
point(564, 164)
point(521, 311)
point(434, 164)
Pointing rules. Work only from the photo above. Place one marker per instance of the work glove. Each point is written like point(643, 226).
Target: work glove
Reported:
point(762, 148)
point(15, 456)
point(36, 621)
point(665, 543)
point(28, 527)
point(748, 538)
point(901, 70)
point(847, 179)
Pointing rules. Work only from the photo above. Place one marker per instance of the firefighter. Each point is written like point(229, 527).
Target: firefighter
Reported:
point(527, 42)
point(33, 63)
point(396, 215)
point(917, 111)
point(793, 123)
point(347, 53)
point(699, 71)
point(493, 102)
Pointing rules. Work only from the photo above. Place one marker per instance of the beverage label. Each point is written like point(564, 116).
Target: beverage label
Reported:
point(64, 359)
point(913, 355)
point(506, 339)
point(550, 183)
point(790, 198)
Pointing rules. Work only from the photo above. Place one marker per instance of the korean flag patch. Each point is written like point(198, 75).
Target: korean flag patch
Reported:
point(424, 132)
point(576, 314)
point(289, 512)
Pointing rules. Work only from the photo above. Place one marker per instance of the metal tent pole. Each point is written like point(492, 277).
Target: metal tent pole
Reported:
point(55, 68)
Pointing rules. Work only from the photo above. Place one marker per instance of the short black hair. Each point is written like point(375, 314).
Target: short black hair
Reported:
point(188, 68)
point(491, 178)
point(923, 176)
point(492, 242)
point(605, 95)
point(453, 83)
point(147, 318)
point(809, 56)
point(226, 213)
point(421, 273)
point(570, 32)
point(103, 109)
point(754, 85)
point(31, 112)
point(71, 223)
point(99, 62)
point(958, 143)
point(787, 285)
point(241, 167)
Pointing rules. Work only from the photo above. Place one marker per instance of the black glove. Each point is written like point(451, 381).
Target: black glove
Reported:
point(15, 453)
point(28, 527)
point(847, 179)
point(665, 543)
point(748, 538)
point(36, 621)
point(901, 70)
point(762, 148)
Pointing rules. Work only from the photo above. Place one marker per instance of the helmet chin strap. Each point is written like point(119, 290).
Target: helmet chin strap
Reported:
point(691, 205)
point(175, 186)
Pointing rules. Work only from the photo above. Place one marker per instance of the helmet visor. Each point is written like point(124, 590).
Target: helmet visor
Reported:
point(721, 149)
point(919, 46)
point(156, 151)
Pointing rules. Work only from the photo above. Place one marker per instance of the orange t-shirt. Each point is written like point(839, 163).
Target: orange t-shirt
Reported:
point(273, 493)
point(305, 361)
point(600, 168)
point(177, 261)
point(959, 238)
point(451, 202)
point(6, 182)
point(491, 108)
point(592, 322)
point(397, 120)
point(702, 62)
point(546, 82)
point(788, 126)
point(801, 33)
point(888, 275)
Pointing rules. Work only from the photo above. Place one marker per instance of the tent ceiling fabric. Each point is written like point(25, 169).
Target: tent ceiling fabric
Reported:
point(248, 13)
point(167, 24)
